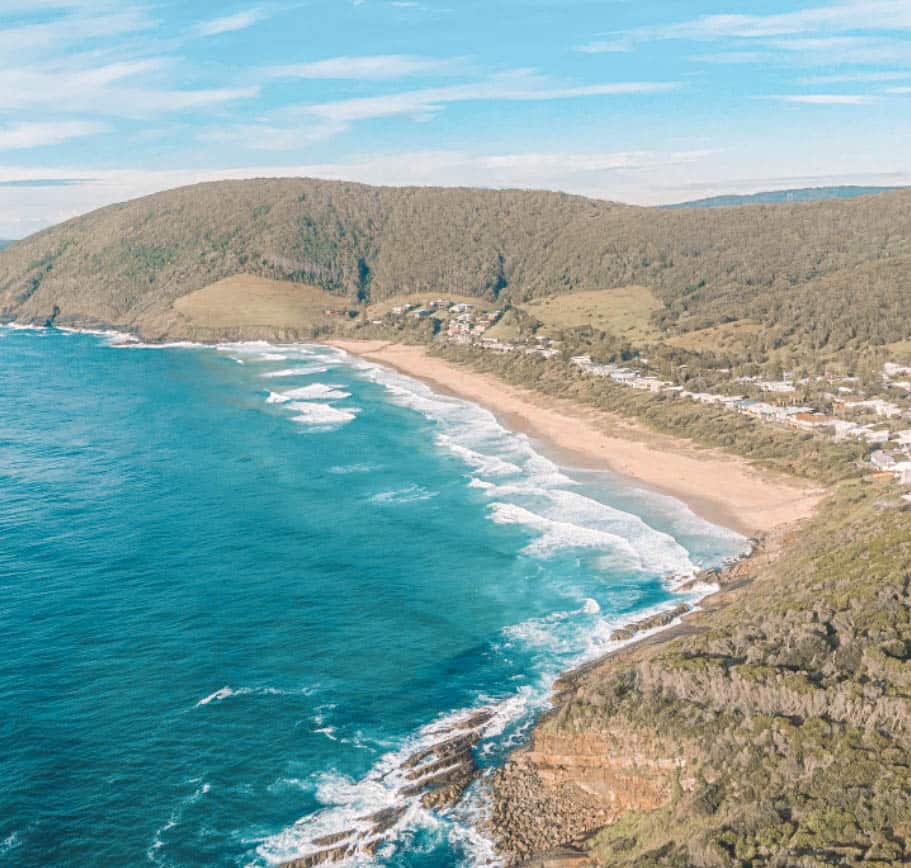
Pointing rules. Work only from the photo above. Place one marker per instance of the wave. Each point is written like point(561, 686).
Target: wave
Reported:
point(11, 842)
point(321, 416)
point(227, 692)
point(317, 392)
point(300, 371)
point(380, 806)
point(152, 854)
point(409, 494)
point(345, 469)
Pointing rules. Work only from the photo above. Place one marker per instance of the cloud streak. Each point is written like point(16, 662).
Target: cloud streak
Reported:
point(230, 23)
point(370, 68)
point(19, 136)
point(825, 98)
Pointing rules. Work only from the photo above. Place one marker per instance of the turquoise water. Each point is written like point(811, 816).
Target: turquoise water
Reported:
point(237, 584)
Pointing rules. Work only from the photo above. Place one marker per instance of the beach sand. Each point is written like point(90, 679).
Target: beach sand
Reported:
point(721, 488)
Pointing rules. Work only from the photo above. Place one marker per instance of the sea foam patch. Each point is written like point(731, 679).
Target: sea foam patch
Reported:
point(321, 416)
point(299, 371)
point(317, 392)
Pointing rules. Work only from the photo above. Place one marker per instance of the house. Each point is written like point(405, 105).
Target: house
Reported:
point(874, 436)
point(883, 460)
point(812, 421)
point(781, 386)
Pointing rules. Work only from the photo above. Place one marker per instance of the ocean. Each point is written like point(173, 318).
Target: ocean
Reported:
point(239, 584)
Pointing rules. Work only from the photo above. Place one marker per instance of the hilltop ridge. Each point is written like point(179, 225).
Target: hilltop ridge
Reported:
point(771, 197)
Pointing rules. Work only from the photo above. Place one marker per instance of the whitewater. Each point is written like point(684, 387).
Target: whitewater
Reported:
point(243, 584)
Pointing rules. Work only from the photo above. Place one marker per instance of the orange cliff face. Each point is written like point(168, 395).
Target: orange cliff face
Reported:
point(552, 797)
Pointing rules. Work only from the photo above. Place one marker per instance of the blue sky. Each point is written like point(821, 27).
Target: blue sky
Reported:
point(644, 101)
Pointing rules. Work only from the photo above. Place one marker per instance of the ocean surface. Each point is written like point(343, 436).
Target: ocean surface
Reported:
point(239, 584)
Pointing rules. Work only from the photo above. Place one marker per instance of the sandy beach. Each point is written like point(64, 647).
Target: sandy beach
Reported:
point(721, 488)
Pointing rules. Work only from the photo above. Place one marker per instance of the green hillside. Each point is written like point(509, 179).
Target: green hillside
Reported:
point(128, 263)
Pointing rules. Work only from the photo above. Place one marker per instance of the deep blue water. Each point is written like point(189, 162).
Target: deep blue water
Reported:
point(223, 611)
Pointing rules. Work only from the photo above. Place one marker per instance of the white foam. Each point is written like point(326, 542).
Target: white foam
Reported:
point(348, 802)
point(345, 469)
point(300, 371)
point(556, 536)
point(277, 398)
point(317, 392)
point(153, 854)
point(321, 416)
point(272, 357)
point(409, 494)
point(217, 696)
point(11, 842)
point(227, 692)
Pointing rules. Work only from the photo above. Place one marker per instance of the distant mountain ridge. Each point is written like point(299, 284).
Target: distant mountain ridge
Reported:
point(774, 197)
point(4, 243)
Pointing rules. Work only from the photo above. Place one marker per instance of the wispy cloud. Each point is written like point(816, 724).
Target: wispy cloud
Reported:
point(850, 31)
point(19, 136)
point(105, 90)
point(518, 86)
point(859, 77)
point(825, 98)
point(88, 22)
point(853, 15)
point(374, 67)
point(619, 45)
point(230, 23)
point(297, 126)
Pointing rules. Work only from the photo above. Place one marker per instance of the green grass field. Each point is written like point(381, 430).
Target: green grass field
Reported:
point(624, 311)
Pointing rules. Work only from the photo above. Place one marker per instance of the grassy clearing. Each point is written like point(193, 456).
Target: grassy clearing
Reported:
point(728, 337)
point(245, 301)
point(624, 311)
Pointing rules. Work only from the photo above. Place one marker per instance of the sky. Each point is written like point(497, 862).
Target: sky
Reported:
point(640, 101)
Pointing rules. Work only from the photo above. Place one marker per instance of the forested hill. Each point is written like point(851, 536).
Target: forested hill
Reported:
point(773, 197)
point(840, 265)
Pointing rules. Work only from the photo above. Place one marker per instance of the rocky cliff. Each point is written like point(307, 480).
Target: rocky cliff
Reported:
point(772, 729)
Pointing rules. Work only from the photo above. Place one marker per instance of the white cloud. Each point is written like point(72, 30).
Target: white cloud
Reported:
point(853, 15)
point(848, 77)
point(605, 46)
point(851, 31)
point(230, 23)
point(102, 90)
point(899, 90)
point(52, 38)
point(375, 67)
point(825, 98)
point(521, 86)
point(22, 135)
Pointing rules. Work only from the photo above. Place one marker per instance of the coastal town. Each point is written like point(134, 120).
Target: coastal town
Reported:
point(839, 407)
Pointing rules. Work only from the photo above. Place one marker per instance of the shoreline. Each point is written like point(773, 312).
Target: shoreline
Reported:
point(723, 489)
point(663, 626)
